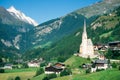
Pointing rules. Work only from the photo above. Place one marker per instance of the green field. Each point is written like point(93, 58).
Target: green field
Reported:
point(102, 75)
point(24, 74)
point(76, 61)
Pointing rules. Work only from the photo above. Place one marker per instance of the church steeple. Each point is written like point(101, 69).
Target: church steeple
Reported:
point(84, 26)
point(84, 36)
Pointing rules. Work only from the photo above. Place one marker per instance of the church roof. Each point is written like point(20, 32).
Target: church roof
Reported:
point(101, 61)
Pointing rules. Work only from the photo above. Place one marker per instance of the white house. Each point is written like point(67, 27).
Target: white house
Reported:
point(8, 66)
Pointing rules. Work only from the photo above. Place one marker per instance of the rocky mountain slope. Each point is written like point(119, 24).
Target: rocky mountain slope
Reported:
point(21, 35)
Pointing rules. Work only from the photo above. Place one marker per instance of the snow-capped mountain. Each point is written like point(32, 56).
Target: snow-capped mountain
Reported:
point(21, 16)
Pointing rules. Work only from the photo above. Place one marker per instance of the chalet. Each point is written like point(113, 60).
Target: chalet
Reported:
point(56, 68)
point(34, 63)
point(114, 45)
point(101, 64)
point(53, 69)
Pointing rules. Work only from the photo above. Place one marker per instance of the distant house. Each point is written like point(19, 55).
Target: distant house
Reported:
point(87, 65)
point(8, 66)
point(100, 47)
point(34, 63)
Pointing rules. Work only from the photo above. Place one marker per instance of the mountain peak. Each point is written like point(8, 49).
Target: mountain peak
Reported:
point(21, 16)
point(12, 8)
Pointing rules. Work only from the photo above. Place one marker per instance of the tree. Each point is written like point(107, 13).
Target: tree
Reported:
point(61, 59)
point(39, 71)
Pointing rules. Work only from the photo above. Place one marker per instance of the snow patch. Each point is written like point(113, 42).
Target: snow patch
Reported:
point(6, 43)
point(21, 16)
point(16, 41)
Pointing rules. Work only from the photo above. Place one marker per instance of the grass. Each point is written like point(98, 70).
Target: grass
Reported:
point(106, 34)
point(24, 74)
point(39, 77)
point(76, 61)
point(102, 75)
point(20, 70)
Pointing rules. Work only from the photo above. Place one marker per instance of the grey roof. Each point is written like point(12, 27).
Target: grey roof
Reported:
point(101, 61)
point(114, 42)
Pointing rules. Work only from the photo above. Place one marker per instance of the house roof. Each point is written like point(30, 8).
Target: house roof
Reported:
point(59, 64)
point(101, 61)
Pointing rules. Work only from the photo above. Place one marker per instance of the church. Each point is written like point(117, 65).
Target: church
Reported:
point(86, 48)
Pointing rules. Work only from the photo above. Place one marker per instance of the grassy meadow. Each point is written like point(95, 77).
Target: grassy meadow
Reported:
point(102, 75)
point(24, 74)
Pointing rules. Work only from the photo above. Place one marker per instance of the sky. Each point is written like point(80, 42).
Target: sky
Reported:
point(44, 10)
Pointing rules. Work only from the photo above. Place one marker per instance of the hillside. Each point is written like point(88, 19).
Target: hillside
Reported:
point(98, 31)
point(76, 61)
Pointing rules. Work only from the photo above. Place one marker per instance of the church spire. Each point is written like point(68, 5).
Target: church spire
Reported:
point(84, 26)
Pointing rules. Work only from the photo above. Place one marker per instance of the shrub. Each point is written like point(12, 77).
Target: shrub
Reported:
point(17, 78)
point(88, 70)
point(66, 72)
point(43, 64)
point(25, 65)
point(50, 76)
point(45, 78)
point(2, 70)
point(97, 70)
point(114, 65)
point(118, 67)
point(39, 71)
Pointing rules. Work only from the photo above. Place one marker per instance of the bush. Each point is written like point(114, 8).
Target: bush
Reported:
point(45, 78)
point(99, 70)
point(66, 72)
point(17, 78)
point(50, 76)
point(61, 59)
point(2, 70)
point(43, 64)
point(118, 67)
point(25, 65)
point(88, 70)
point(114, 65)
point(39, 71)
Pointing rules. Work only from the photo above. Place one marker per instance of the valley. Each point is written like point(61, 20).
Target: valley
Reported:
point(58, 49)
